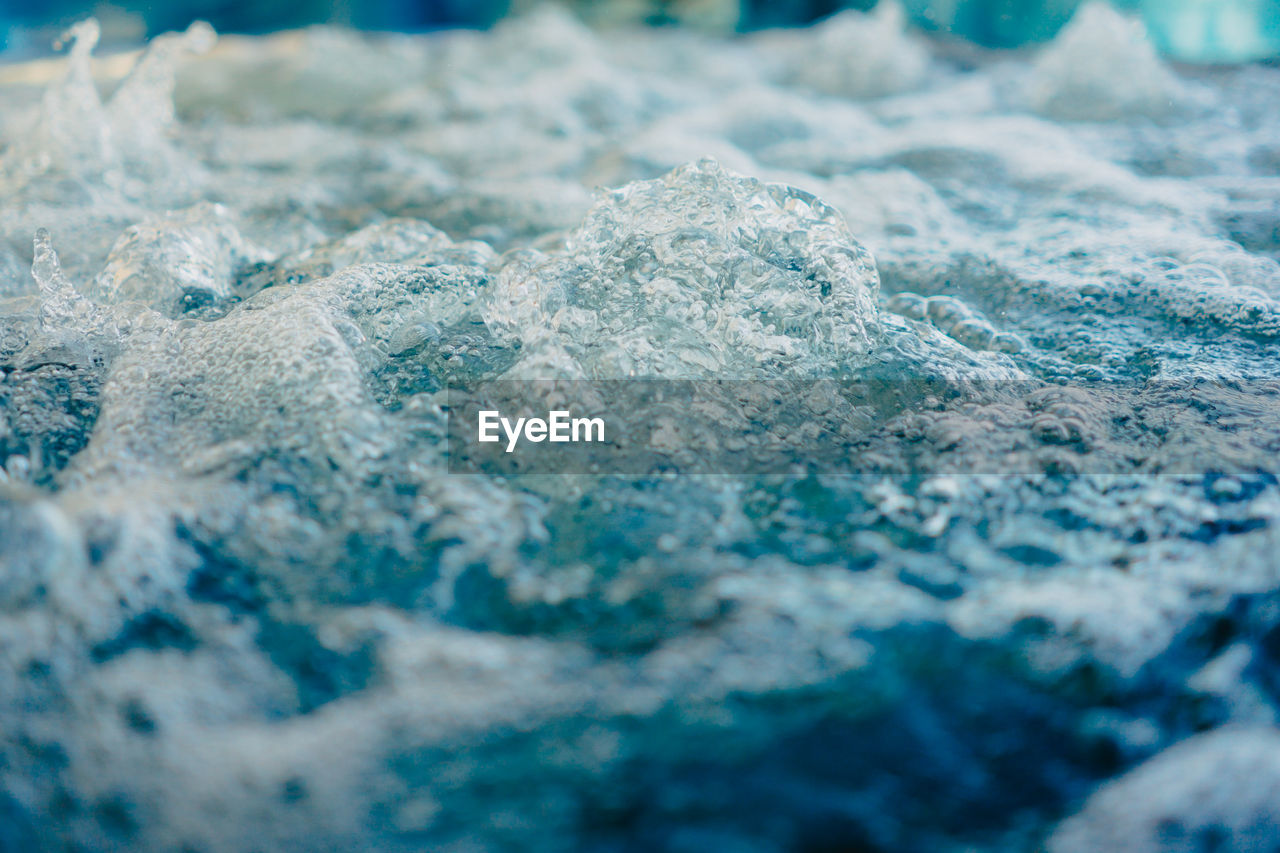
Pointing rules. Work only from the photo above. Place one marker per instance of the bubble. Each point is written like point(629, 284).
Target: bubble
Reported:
point(1008, 342)
point(946, 311)
point(973, 333)
point(909, 305)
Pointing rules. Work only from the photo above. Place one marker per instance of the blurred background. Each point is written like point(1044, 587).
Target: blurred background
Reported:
point(1204, 31)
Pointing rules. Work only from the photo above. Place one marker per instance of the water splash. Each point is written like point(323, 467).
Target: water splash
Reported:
point(72, 132)
point(61, 305)
point(180, 261)
point(141, 110)
point(79, 134)
point(859, 55)
point(1100, 67)
point(702, 272)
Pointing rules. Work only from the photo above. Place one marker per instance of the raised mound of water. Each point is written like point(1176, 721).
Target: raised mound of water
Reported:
point(1017, 313)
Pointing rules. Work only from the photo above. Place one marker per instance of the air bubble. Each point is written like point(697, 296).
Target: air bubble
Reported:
point(909, 305)
point(973, 333)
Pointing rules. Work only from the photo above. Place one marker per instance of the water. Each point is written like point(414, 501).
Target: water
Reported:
point(244, 604)
point(701, 273)
point(1202, 31)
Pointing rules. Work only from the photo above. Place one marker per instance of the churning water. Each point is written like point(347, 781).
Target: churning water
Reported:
point(245, 605)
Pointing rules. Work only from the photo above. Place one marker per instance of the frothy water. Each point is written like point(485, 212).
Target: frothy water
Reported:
point(700, 273)
point(244, 603)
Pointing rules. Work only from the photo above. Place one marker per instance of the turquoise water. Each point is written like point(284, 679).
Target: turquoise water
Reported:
point(1202, 31)
point(245, 603)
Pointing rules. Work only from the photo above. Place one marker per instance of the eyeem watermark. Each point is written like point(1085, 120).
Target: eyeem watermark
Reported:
point(870, 425)
point(558, 426)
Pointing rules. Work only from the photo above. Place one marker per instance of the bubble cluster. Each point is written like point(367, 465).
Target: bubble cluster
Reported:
point(956, 319)
point(699, 273)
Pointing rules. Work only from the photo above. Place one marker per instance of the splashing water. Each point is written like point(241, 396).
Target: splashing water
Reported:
point(699, 273)
point(229, 530)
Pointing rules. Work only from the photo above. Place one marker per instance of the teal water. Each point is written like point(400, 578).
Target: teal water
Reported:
point(245, 604)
